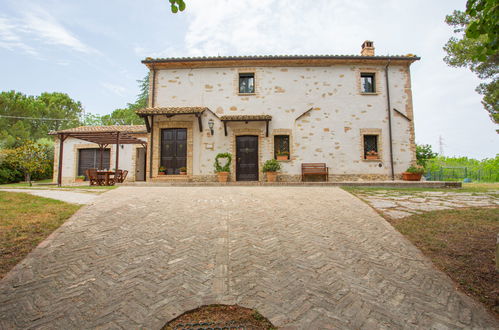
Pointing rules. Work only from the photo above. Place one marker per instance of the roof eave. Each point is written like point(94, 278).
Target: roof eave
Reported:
point(272, 61)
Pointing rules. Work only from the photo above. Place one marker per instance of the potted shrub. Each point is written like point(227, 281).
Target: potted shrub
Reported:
point(413, 173)
point(372, 155)
point(183, 170)
point(222, 166)
point(162, 170)
point(282, 155)
point(80, 178)
point(271, 167)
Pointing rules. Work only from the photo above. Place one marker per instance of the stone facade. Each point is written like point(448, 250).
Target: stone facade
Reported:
point(320, 106)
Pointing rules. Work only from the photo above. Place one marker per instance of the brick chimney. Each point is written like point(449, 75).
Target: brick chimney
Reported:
point(367, 48)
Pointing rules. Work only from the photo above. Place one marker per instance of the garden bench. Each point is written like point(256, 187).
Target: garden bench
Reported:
point(314, 169)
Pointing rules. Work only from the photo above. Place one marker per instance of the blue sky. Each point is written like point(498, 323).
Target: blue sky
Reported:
point(92, 50)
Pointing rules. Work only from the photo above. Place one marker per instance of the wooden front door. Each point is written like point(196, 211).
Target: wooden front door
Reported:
point(140, 164)
point(247, 158)
point(173, 149)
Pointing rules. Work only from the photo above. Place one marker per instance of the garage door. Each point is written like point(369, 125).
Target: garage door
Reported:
point(90, 158)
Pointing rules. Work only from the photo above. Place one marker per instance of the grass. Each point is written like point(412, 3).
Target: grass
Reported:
point(24, 184)
point(221, 317)
point(25, 221)
point(462, 243)
point(37, 185)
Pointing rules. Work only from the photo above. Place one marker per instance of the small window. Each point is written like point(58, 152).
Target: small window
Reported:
point(246, 83)
point(281, 147)
point(367, 81)
point(371, 147)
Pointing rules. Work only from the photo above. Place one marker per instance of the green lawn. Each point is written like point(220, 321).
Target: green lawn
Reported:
point(44, 184)
point(25, 221)
point(462, 243)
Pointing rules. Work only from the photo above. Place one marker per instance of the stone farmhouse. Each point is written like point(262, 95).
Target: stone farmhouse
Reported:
point(354, 113)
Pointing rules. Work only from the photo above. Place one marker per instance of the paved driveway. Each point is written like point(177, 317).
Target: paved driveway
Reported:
point(305, 257)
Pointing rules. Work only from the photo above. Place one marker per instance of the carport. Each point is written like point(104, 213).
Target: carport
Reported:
point(103, 136)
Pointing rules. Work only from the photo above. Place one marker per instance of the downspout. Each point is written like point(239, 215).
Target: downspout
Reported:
point(389, 119)
point(151, 143)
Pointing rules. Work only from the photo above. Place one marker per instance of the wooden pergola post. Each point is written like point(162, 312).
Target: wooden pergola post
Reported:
point(62, 137)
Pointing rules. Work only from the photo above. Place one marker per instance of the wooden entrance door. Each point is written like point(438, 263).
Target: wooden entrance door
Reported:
point(247, 158)
point(173, 149)
point(140, 164)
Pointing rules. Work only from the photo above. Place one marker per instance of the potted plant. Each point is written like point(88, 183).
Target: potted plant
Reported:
point(413, 173)
point(282, 155)
point(80, 178)
point(183, 170)
point(270, 167)
point(222, 166)
point(372, 155)
point(162, 170)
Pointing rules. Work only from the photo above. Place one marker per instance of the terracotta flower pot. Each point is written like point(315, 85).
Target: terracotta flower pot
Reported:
point(79, 180)
point(372, 157)
point(162, 173)
point(411, 176)
point(223, 176)
point(271, 176)
point(183, 173)
point(283, 157)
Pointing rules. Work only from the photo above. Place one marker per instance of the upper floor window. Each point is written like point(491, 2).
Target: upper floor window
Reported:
point(367, 82)
point(246, 83)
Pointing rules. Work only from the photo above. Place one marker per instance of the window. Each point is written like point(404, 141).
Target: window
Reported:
point(246, 83)
point(371, 147)
point(367, 82)
point(281, 147)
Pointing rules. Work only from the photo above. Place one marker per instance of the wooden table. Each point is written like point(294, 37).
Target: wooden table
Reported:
point(106, 174)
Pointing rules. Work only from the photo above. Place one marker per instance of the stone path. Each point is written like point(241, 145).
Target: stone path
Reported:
point(305, 257)
point(400, 204)
point(62, 195)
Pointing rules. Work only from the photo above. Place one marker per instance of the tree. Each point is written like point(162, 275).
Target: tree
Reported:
point(127, 116)
point(177, 5)
point(32, 117)
point(424, 153)
point(30, 158)
point(477, 48)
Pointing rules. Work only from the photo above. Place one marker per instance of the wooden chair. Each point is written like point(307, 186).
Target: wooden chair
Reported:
point(314, 169)
point(93, 177)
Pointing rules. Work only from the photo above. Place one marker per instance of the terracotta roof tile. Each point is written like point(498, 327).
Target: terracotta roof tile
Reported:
point(104, 129)
point(245, 117)
point(409, 57)
point(170, 110)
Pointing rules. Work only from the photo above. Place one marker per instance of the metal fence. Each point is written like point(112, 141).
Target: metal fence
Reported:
point(463, 173)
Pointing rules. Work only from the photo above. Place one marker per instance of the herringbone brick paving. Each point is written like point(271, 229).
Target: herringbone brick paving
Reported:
point(305, 257)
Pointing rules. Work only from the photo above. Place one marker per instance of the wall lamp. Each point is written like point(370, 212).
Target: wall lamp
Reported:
point(211, 123)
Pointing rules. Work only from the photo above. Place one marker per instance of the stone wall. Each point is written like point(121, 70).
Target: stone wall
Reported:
point(321, 108)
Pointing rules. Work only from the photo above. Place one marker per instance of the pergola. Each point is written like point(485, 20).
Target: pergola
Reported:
point(102, 136)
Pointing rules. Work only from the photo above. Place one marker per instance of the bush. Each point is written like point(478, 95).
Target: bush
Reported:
point(9, 174)
point(271, 165)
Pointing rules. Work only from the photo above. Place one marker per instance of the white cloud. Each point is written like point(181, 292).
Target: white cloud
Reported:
point(36, 24)
point(46, 28)
point(10, 37)
point(116, 89)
